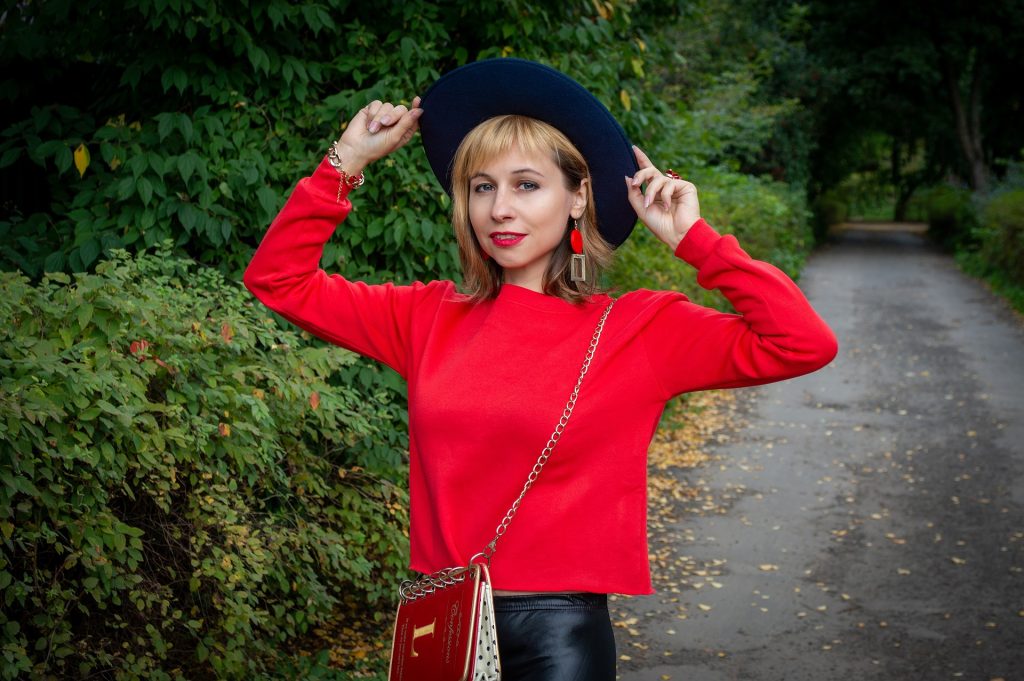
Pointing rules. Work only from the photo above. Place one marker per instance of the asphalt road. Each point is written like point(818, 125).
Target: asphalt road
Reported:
point(867, 521)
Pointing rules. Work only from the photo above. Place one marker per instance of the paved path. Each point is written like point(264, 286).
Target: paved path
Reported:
point(865, 522)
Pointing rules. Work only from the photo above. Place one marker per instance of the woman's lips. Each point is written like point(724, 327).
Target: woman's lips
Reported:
point(506, 239)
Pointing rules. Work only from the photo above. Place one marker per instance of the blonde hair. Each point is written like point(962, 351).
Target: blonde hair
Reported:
point(482, 278)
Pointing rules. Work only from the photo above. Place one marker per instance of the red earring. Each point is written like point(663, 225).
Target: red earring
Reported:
point(576, 239)
point(578, 262)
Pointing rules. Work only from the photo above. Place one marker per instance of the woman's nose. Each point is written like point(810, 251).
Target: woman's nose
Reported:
point(503, 208)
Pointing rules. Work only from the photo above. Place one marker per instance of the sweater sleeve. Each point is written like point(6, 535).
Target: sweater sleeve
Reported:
point(775, 335)
point(285, 275)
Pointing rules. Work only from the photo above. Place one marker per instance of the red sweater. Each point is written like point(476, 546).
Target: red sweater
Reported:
point(488, 382)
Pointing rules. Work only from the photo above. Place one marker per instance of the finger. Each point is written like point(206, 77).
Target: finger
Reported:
point(406, 126)
point(641, 158)
point(666, 194)
point(654, 188)
point(416, 102)
point(395, 115)
point(370, 110)
point(383, 111)
point(645, 175)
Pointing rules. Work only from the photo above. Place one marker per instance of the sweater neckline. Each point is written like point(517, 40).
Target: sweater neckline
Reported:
point(512, 293)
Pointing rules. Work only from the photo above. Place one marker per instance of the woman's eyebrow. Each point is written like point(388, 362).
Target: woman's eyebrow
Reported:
point(518, 171)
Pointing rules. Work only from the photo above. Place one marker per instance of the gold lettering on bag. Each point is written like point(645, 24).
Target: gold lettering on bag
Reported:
point(425, 630)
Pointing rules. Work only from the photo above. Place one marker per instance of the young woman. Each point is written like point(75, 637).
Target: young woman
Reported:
point(539, 172)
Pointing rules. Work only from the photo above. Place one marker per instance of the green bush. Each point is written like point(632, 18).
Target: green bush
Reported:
point(1002, 234)
point(184, 484)
point(830, 208)
point(951, 215)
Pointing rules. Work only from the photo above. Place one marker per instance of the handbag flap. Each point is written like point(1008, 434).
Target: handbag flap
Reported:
point(436, 634)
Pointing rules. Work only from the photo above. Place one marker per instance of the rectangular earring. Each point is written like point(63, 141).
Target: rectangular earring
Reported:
point(578, 263)
point(578, 267)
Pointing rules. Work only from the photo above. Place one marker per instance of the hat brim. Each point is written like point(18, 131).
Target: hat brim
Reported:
point(469, 95)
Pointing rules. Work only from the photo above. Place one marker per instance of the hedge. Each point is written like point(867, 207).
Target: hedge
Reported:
point(185, 485)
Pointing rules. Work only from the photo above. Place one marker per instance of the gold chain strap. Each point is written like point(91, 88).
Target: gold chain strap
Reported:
point(427, 584)
point(489, 550)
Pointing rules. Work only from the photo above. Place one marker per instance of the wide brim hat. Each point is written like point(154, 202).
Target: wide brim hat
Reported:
point(469, 95)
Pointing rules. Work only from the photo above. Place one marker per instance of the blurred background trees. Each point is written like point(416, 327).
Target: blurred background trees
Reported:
point(189, 487)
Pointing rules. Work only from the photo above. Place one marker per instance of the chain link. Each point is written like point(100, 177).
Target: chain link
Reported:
point(488, 552)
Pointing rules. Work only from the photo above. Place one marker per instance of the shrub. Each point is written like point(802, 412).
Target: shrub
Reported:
point(1002, 234)
point(830, 208)
point(185, 486)
point(951, 215)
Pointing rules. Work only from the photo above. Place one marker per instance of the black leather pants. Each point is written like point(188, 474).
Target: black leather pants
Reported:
point(555, 637)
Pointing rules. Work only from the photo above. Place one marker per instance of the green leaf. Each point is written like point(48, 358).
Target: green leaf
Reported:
point(64, 159)
point(186, 166)
point(84, 315)
point(165, 125)
point(9, 157)
point(145, 189)
point(89, 251)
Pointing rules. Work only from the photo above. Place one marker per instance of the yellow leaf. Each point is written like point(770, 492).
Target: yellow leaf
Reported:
point(224, 429)
point(624, 98)
point(703, 607)
point(638, 66)
point(507, 50)
point(768, 567)
point(82, 159)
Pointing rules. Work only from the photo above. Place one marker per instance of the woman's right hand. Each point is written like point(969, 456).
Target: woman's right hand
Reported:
point(377, 130)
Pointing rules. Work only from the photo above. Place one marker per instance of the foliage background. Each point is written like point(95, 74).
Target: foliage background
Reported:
point(189, 487)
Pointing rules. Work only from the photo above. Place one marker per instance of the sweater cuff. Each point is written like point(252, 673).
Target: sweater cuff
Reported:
point(324, 183)
point(698, 243)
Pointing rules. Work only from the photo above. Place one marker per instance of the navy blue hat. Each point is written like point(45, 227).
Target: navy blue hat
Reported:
point(469, 95)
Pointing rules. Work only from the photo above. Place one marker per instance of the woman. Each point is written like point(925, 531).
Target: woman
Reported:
point(530, 158)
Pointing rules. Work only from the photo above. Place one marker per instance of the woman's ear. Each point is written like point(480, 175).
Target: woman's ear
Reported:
point(579, 199)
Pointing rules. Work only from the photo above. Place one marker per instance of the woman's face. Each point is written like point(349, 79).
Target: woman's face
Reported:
point(519, 207)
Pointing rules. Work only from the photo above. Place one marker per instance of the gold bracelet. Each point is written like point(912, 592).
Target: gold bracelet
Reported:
point(345, 180)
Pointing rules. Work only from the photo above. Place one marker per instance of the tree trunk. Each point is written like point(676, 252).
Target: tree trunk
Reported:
point(968, 122)
point(896, 166)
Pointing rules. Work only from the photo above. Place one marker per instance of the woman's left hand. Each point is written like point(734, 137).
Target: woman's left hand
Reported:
point(668, 207)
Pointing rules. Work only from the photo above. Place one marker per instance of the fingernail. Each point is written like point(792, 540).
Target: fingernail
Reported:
point(386, 120)
point(636, 181)
point(647, 202)
point(374, 126)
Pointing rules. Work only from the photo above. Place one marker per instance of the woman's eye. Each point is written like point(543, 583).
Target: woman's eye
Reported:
point(483, 187)
point(528, 186)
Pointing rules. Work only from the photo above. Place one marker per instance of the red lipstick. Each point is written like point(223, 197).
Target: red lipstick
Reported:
point(506, 239)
